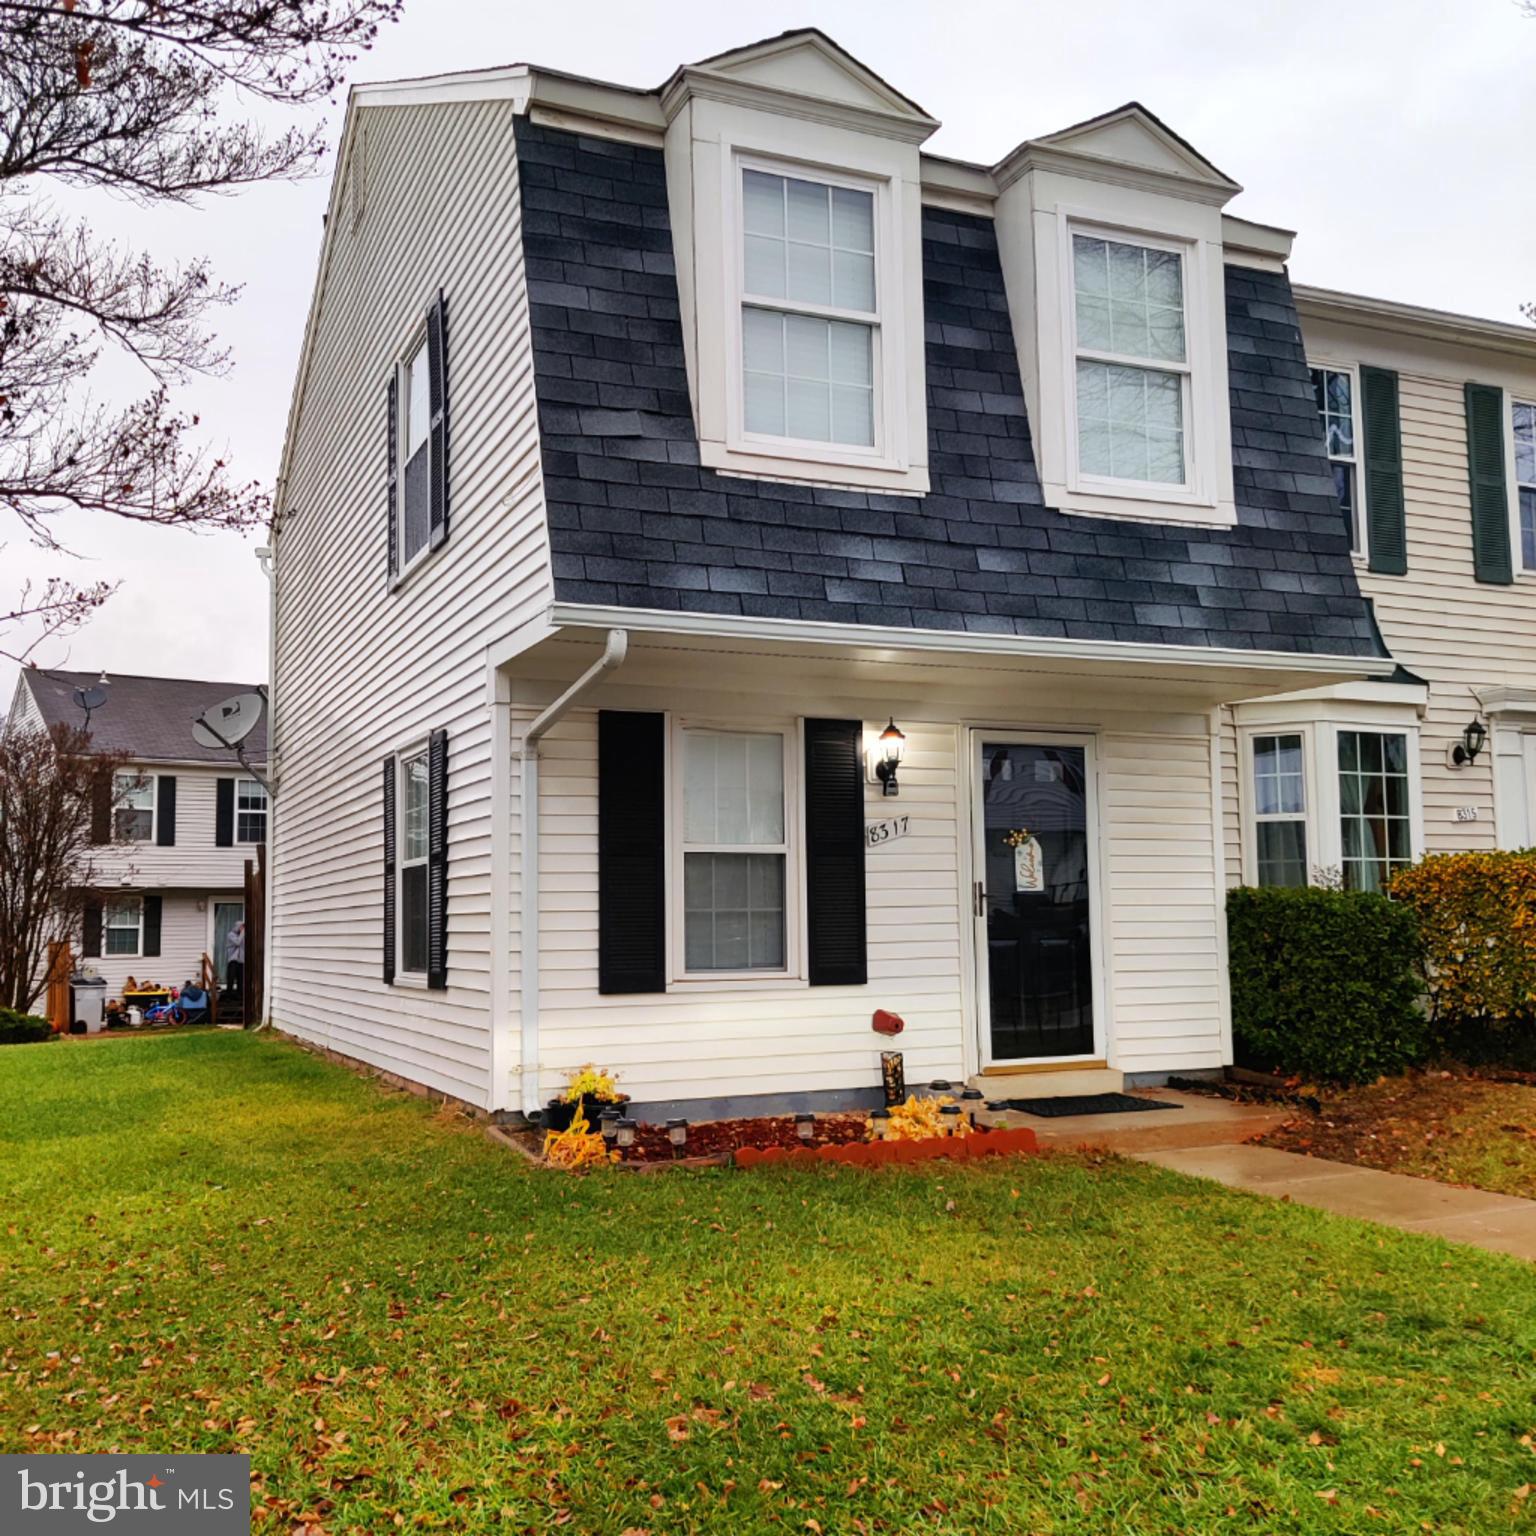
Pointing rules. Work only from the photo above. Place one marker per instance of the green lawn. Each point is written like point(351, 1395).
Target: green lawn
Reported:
point(217, 1242)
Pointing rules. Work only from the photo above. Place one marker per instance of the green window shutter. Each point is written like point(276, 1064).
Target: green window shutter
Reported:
point(1491, 560)
point(1383, 472)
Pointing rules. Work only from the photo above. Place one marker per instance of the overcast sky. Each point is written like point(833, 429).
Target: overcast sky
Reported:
point(1395, 135)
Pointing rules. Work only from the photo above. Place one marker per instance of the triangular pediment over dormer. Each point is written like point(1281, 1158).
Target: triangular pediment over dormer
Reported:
point(808, 65)
point(1133, 136)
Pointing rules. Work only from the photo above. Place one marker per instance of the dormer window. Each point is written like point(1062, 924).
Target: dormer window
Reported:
point(809, 316)
point(1129, 313)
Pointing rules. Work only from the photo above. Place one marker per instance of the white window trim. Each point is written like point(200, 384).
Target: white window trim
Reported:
point(1257, 818)
point(240, 784)
point(416, 342)
point(793, 973)
point(1516, 543)
point(137, 953)
point(1362, 555)
point(890, 449)
point(153, 780)
point(1320, 772)
point(403, 755)
point(1207, 496)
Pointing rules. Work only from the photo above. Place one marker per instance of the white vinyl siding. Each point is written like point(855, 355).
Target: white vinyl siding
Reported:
point(185, 935)
point(414, 659)
point(196, 861)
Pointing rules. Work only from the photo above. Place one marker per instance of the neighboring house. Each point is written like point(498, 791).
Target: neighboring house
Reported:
point(1430, 422)
point(656, 458)
point(175, 831)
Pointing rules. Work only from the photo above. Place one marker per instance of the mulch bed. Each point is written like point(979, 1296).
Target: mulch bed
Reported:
point(712, 1138)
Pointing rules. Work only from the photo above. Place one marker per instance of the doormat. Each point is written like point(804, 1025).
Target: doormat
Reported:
point(1084, 1104)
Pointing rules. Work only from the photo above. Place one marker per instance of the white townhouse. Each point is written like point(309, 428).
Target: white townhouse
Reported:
point(175, 827)
point(738, 572)
point(1430, 423)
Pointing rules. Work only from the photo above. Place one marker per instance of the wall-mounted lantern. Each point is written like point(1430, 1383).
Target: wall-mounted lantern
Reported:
point(887, 755)
point(1472, 740)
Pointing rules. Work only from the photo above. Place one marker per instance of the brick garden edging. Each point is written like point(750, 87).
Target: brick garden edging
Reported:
point(873, 1154)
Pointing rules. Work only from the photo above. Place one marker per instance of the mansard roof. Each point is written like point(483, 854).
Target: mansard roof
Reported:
point(636, 521)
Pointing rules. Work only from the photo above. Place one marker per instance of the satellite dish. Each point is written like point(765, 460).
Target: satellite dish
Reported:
point(90, 698)
point(226, 725)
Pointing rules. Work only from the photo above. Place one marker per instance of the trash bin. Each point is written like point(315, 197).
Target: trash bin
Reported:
point(87, 997)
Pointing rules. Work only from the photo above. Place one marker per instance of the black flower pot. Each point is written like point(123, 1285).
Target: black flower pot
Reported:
point(558, 1114)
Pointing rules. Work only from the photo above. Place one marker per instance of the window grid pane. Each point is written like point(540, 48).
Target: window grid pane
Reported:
point(808, 242)
point(133, 816)
point(121, 922)
point(809, 378)
point(1525, 479)
point(1334, 391)
point(1130, 423)
point(1376, 834)
point(1129, 299)
point(733, 906)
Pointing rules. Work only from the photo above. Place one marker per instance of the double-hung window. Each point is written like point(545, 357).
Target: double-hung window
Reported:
point(415, 454)
point(123, 927)
point(250, 812)
point(810, 316)
point(735, 852)
point(1280, 810)
point(1525, 479)
point(1335, 392)
point(414, 782)
point(133, 815)
point(1133, 375)
point(1375, 820)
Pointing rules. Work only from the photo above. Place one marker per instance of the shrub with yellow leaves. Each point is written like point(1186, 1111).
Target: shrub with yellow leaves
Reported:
point(577, 1146)
point(590, 1082)
point(921, 1119)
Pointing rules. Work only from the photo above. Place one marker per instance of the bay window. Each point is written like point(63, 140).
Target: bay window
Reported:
point(1375, 819)
point(1280, 810)
point(734, 851)
point(809, 313)
point(1131, 361)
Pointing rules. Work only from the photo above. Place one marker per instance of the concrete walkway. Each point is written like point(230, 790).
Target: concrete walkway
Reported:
point(1500, 1223)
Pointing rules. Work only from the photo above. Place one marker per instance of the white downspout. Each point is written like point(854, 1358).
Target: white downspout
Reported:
point(613, 656)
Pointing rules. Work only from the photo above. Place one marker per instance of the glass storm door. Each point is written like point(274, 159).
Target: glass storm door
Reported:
point(225, 915)
point(1034, 869)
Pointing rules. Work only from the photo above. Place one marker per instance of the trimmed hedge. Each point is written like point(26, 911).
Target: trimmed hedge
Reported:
point(1324, 983)
point(1477, 923)
point(23, 1028)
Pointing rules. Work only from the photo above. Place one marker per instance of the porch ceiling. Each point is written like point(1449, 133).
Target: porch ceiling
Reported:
point(684, 648)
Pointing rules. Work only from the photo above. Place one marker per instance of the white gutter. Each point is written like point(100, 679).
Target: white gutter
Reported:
point(613, 657)
point(962, 642)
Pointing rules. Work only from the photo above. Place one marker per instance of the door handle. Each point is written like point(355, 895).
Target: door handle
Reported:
point(979, 900)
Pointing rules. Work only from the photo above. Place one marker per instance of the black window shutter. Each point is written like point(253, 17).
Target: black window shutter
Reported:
point(437, 860)
point(151, 949)
point(389, 870)
point(165, 810)
point(1491, 558)
point(834, 852)
point(437, 400)
point(90, 937)
point(392, 474)
point(1385, 524)
point(224, 814)
point(101, 808)
point(631, 852)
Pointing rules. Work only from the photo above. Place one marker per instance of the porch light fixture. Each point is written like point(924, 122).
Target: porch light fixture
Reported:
point(624, 1132)
point(1471, 743)
point(805, 1127)
point(891, 747)
point(677, 1134)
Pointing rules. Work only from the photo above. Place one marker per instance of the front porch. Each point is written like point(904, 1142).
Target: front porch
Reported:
point(1099, 948)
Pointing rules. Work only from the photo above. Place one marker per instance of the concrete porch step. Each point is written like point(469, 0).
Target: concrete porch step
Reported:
point(1050, 1084)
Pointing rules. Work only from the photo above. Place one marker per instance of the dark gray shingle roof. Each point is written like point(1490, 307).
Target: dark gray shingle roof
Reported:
point(146, 718)
point(635, 520)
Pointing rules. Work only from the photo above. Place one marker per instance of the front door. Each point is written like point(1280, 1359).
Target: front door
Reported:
point(1034, 901)
point(225, 915)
